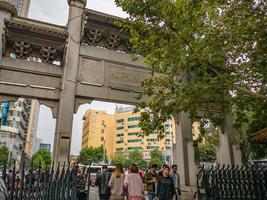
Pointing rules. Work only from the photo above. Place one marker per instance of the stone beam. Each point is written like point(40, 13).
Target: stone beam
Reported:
point(31, 67)
point(31, 92)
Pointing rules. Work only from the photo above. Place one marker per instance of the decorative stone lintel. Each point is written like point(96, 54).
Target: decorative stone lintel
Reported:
point(7, 6)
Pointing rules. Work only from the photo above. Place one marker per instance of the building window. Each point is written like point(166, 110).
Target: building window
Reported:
point(132, 119)
point(103, 122)
point(120, 128)
point(134, 140)
point(119, 149)
point(102, 131)
point(102, 139)
point(133, 133)
point(167, 125)
point(152, 147)
point(133, 126)
point(168, 132)
point(154, 132)
point(167, 140)
point(134, 148)
point(119, 142)
point(120, 120)
point(120, 135)
point(152, 140)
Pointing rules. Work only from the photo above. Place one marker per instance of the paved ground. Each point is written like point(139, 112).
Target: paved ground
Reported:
point(94, 193)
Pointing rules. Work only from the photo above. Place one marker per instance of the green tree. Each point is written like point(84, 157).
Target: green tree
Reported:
point(258, 122)
point(118, 158)
point(3, 155)
point(128, 163)
point(135, 157)
point(41, 158)
point(90, 155)
point(205, 55)
point(208, 144)
point(156, 157)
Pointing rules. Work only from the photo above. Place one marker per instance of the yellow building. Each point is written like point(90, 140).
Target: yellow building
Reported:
point(121, 133)
point(126, 139)
point(98, 130)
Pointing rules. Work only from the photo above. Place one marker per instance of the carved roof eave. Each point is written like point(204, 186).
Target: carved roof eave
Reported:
point(102, 16)
point(103, 20)
point(38, 27)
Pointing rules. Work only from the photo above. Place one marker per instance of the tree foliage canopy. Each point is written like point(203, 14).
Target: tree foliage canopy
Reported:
point(208, 144)
point(156, 157)
point(90, 155)
point(3, 155)
point(42, 158)
point(205, 55)
point(118, 158)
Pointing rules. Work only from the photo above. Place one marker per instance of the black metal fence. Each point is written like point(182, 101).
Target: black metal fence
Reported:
point(232, 183)
point(43, 184)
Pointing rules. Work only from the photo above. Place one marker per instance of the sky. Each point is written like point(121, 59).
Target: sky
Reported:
point(56, 12)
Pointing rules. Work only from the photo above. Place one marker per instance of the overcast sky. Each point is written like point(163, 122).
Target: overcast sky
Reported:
point(56, 12)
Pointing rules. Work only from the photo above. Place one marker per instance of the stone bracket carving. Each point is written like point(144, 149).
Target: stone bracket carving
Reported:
point(100, 30)
point(43, 42)
point(22, 49)
point(93, 36)
point(48, 54)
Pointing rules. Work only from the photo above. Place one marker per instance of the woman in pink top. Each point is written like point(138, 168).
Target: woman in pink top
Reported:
point(133, 184)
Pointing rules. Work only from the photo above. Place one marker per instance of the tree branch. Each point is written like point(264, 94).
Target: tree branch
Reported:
point(246, 91)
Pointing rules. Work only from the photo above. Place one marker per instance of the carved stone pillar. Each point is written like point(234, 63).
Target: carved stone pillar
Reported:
point(228, 153)
point(63, 131)
point(6, 10)
point(185, 155)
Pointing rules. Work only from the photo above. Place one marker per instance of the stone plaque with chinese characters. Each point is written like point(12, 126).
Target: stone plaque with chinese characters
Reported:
point(125, 78)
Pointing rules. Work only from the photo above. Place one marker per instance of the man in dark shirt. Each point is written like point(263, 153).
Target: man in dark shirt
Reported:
point(151, 180)
point(165, 187)
point(102, 180)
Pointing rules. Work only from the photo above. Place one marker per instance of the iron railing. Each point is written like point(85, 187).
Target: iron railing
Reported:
point(42, 184)
point(232, 183)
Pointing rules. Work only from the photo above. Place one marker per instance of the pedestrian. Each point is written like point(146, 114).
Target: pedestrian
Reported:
point(9, 179)
point(176, 181)
point(133, 184)
point(17, 180)
point(116, 184)
point(165, 186)
point(161, 172)
point(102, 180)
point(81, 183)
point(151, 180)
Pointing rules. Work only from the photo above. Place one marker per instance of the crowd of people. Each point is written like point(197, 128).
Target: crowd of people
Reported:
point(132, 184)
